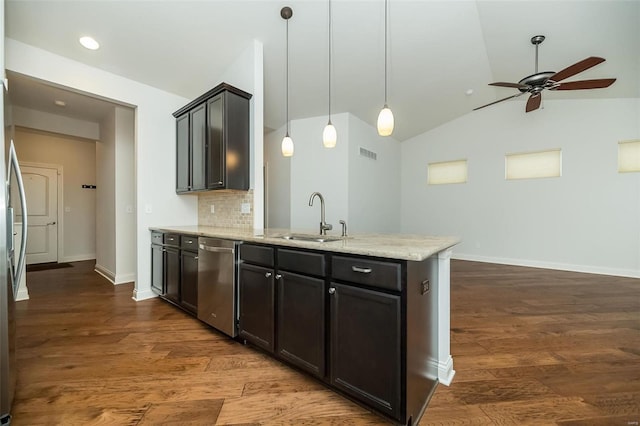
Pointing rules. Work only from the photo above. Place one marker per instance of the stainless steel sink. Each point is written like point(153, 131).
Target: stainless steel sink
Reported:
point(314, 238)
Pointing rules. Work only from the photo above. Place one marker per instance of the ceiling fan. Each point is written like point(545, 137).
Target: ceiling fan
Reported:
point(536, 83)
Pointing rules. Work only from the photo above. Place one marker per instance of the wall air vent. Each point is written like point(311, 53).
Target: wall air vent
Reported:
point(368, 154)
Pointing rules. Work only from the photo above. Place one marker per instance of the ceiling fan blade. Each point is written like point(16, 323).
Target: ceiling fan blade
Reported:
point(500, 100)
point(585, 84)
point(512, 85)
point(576, 68)
point(534, 102)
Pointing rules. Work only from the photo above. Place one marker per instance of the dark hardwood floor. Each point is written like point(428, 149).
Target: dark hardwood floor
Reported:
point(530, 346)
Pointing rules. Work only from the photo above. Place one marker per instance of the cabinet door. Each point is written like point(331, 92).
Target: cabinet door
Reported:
point(189, 281)
point(172, 274)
point(301, 321)
point(365, 346)
point(198, 117)
point(216, 160)
point(183, 180)
point(157, 269)
point(256, 300)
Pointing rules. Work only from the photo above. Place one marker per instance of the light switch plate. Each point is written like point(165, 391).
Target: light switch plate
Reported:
point(245, 208)
point(213, 209)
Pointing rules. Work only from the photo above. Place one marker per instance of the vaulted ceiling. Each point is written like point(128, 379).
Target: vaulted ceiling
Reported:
point(438, 50)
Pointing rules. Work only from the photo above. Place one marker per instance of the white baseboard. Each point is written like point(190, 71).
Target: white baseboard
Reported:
point(23, 294)
point(600, 270)
point(105, 273)
point(124, 278)
point(77, 258)
point(139, 295)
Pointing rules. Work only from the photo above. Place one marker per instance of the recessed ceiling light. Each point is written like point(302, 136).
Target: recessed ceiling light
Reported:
point(89, 42)
point(60, 103)
point(469, 92)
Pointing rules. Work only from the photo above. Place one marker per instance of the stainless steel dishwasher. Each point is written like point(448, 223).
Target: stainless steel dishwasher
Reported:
point(216, 283)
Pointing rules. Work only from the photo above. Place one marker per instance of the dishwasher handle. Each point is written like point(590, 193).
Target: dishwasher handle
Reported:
point(216, 249)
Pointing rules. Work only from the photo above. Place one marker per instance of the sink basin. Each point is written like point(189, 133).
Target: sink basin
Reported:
point(314, 238)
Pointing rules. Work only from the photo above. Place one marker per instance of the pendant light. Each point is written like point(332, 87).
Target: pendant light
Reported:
point(329, 135)
point(287, 143)
point(385, 118)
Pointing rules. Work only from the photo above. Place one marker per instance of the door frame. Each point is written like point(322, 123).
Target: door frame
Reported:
point(60, 222)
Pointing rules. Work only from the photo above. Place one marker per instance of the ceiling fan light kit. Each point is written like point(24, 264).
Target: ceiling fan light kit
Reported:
point(535, 83)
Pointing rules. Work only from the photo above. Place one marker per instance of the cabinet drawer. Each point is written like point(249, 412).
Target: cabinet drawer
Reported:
point(260, 255)
point(189, 242)
point(302, 262)
point(374, 273)
point(157, 237)
point(172, 240)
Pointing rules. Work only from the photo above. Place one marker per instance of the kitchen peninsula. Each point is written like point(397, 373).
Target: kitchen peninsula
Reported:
point(366, 314)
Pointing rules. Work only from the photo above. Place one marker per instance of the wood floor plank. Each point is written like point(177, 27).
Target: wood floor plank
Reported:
point(530, 346)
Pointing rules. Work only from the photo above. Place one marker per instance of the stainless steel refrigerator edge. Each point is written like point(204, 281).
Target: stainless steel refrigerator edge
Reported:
point(216, 283)
point(10, 273)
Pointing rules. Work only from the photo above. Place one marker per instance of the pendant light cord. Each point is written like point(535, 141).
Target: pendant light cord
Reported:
point(287, 77)
point(329, 61)
point(386, 7)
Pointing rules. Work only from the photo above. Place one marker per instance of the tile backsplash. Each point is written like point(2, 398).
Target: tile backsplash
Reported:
point(227, 209)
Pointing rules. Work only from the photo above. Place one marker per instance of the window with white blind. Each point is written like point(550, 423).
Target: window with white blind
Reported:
point(629, 156)
point(447, 172)
point(533, 165)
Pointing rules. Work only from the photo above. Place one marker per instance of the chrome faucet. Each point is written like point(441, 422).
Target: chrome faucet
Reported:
point(324, 226)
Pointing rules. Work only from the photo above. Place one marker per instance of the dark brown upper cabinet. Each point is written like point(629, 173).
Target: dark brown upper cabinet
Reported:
point(212, 141)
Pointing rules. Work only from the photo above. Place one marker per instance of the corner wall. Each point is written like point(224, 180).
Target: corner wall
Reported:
point(157, 203)
point(586, 220)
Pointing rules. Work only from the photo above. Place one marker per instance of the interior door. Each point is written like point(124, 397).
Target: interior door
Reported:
point(41, 188)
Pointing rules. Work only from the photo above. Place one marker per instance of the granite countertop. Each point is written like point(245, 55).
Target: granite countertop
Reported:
point(392, 246)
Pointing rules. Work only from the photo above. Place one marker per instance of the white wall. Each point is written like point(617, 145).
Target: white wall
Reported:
point(105, 197)
point(78, 160)
point(125, 197)
point(278, 184)
point(246, 73)
point(374, 195)
point(362, 191)
point(54, 123)
point(154, 137)
point(316, 168)
point(587, 220)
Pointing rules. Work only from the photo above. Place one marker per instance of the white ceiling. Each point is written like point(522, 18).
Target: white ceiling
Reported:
point(437, 49)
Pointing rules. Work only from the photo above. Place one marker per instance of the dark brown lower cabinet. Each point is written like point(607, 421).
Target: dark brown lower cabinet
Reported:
point(366, 346)
point(301, 321)
point(189, 281)
point(256, 305)
point(172, 274)
point(157, 269)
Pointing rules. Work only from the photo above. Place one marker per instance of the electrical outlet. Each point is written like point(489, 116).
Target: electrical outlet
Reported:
point(213, 209)
point(245, 208)
point(148, 208)
point(67, 209)
point(129, 208)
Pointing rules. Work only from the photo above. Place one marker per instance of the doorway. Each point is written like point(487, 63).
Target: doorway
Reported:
point(42, 192)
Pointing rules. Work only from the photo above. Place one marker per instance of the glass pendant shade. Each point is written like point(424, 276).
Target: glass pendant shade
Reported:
point(329, 136)
point(287, 146)
point(385, 122)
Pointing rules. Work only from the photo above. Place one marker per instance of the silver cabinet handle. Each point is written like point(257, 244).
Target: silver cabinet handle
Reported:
point(278, 276)
point(267, 275)
point(361, 270)
point(195, 258)
point(189, 241)
point(332, 290)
